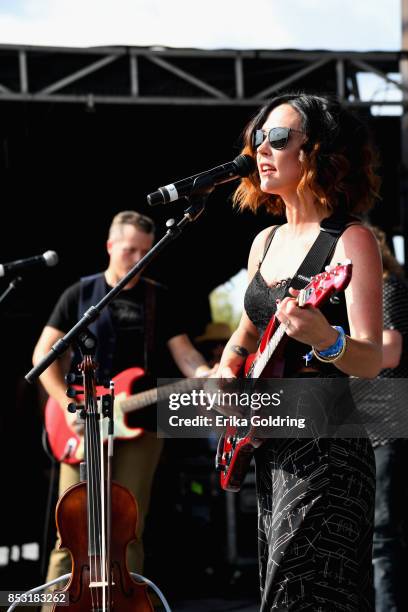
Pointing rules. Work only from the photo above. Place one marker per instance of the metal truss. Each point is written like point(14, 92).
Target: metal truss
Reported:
point(157, 76)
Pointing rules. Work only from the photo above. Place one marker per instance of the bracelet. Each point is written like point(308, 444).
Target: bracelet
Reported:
point(333, 352)
point(335, 348)
point(332, 358)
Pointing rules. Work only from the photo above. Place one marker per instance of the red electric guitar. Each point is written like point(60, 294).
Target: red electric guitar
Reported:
point(67, 446)
point(236, 448)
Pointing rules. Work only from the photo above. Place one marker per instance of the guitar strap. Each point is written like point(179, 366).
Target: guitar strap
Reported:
point(149, 321)
point(321, 250)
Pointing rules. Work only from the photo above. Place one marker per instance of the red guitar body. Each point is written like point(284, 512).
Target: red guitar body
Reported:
point(236, 447)
point(237, 452)
point(66, 445)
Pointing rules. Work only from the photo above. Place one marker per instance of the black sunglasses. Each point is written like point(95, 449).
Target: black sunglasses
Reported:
point(278, 137)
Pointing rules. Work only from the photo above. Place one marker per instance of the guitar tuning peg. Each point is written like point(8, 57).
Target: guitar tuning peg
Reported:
point(335, 299)
point(327, 268)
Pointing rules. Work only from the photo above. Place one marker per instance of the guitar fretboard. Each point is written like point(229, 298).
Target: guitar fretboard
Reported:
point(151, 396)
point(259, 364)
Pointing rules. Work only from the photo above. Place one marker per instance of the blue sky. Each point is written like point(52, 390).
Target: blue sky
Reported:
point(12, 7)
point(269, 24)
point(356, 25)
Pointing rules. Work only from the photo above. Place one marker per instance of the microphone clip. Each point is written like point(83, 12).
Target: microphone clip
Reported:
point(12, 285)
point(201, 188)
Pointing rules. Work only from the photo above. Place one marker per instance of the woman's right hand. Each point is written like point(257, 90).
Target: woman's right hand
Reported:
point(225, 372)
point(226, 377)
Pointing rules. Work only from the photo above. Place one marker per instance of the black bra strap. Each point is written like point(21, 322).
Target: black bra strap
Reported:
point(268, 243)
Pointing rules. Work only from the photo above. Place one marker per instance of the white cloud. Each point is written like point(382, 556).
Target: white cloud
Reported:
point(343, 24)
point(267, 24)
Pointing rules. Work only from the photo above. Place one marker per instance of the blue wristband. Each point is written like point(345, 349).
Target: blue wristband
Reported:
point(335, 348)
point(332, 350)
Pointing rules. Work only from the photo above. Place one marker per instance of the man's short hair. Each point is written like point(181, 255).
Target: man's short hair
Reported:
point(131, 217)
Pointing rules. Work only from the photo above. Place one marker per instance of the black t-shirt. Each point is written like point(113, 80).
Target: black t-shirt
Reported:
point(127, 313)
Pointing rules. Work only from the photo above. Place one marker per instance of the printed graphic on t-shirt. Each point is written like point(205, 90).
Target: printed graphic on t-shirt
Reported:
point(127, 315)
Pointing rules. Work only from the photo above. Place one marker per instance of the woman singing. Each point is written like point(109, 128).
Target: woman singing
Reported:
point(315, 496)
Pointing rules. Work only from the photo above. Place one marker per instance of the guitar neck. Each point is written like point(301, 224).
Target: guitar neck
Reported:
point(260, 363)
point(151, 396)
point(319, 289)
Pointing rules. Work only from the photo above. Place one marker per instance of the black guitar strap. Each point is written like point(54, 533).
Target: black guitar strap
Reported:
point(321, 250)
point(149, 321)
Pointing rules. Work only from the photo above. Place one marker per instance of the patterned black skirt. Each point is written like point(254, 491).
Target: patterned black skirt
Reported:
point(315, 524)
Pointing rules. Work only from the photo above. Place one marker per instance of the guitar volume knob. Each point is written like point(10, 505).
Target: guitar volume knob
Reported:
point(219, 467)
point(226, 457)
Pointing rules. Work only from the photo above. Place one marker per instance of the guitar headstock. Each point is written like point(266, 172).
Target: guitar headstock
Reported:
point(322, 286)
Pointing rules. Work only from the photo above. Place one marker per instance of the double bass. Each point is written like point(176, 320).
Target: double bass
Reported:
point(100, 580)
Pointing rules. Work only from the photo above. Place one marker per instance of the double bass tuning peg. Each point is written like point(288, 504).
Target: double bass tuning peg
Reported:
point(71, 378)
point(71, 392)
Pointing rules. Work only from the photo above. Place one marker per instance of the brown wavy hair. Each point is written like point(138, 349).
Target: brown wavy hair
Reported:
point(338, 164)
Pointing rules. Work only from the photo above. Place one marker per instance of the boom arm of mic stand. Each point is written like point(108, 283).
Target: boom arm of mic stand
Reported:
point(63, 344)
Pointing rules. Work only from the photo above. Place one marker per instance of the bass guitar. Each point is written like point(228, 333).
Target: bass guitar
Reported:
point(237, 445)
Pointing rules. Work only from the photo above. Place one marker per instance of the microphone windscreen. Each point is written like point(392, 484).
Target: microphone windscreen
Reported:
point(51, 258)
point(245, 164)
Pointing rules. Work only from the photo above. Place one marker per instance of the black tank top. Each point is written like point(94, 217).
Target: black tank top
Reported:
point(260, 306)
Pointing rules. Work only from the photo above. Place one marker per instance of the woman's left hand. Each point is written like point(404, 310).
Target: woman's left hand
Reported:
point(306, 324)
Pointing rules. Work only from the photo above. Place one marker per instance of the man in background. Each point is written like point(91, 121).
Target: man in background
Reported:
point(135, 330)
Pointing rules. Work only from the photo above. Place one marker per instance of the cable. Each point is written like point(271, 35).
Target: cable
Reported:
point(155, 589)
point(40, 588)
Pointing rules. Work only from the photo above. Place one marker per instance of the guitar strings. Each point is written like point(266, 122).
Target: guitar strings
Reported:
point(259, 364)
point(102, 504)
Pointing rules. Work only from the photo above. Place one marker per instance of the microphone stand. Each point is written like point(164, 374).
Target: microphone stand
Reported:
point(202, 187)
point(13, 284)
point(80, 335)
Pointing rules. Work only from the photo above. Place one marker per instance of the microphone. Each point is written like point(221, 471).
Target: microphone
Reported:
point(240, 166)
point(49, 258)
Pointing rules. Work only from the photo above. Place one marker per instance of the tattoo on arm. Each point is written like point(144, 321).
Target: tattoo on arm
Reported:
point(239, 350)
